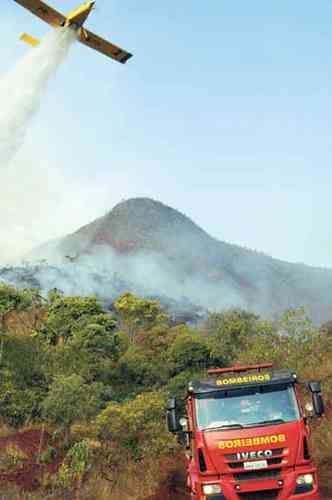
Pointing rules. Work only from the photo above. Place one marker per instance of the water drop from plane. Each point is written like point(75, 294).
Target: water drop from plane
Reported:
point(22, 89)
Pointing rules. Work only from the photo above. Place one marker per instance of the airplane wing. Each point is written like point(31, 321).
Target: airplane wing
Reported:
point(103, 46)
point(43, 11)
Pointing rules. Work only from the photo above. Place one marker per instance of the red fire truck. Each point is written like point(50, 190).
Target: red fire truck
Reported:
point(246, 435)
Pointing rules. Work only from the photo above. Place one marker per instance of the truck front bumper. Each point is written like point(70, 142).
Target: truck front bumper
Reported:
point(260, 495)
point(283, 488)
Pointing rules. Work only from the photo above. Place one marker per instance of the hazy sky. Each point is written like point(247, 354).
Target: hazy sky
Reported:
point(224, 113)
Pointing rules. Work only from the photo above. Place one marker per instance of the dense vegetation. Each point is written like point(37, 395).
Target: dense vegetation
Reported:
point(95, 385)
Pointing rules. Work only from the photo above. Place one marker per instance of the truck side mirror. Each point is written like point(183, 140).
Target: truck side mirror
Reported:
point(317, 399)
point(172, 416)
point(314, 387)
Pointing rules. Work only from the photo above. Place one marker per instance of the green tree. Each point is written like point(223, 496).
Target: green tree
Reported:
point(25, 360)
point(136, 313)
point(288, 342)
point(68, 315)
point(155, 340)
point(19, 406)
point(262, 347)
point(137, 425)
point(76, 464)
point(70, 399)
point(228, 333)
point(12, 299)
point(177, 386)
point(54, 294)
point(188, 350)
point(97, 334)
point(91, 349)
point(297, 337)
point(139, 369)
point(145, 363)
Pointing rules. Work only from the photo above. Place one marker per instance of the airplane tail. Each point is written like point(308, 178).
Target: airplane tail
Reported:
point(29, 39)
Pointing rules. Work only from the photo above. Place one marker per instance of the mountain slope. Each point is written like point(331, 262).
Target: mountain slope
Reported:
point(156, 250)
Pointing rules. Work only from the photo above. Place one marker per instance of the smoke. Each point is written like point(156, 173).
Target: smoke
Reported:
point(108, 274)
point(22, 88)
point(34, 192)
point(186, 285)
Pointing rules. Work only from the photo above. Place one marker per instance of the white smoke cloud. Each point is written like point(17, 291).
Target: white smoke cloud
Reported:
point(33, 191)
point(107, 274)
point(22, 88)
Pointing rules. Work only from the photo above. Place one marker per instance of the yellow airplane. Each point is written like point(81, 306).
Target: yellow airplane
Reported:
point(74, 20)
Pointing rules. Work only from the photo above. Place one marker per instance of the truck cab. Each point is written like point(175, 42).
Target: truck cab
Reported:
point(246, 435)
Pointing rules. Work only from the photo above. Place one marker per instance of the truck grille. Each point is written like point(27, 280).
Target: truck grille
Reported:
point(257, 475)
point(260, 495)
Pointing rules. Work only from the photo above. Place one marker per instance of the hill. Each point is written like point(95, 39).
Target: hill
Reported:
point(150, 248)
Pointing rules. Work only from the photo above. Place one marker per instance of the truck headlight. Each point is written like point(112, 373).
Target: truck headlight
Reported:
point(211, 489)
point(305, 479)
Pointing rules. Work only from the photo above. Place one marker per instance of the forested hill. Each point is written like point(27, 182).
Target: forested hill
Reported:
point(147, 247)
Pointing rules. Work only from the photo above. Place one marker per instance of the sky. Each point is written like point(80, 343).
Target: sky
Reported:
point(223, 113)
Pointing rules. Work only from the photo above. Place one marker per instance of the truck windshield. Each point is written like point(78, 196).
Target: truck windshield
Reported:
point(252, 407)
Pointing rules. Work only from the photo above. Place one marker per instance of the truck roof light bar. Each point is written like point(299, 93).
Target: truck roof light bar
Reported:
point(244, 368)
